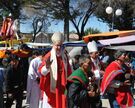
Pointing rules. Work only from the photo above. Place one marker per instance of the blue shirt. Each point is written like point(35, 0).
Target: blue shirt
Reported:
point(1, 76)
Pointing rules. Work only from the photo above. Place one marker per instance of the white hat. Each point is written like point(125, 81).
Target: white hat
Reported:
point(57, 37)
point(92, 46)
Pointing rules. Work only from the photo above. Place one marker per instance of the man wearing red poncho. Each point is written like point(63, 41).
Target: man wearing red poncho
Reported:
point(55, 69)
point(116, 83)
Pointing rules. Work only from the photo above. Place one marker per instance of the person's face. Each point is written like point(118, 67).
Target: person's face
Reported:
point(86, 65)
point(57, 47)
point(94, 55)
point(127, 58)
point(122, 57)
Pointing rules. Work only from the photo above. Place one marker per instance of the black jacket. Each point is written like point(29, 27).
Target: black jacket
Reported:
point(77, 95)
point(14, 77)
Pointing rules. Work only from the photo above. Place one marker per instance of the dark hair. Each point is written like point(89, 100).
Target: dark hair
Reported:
point(118, 53)
point(82, 59)
point(77, 57)
point(43, 52)
point(36, 52)
point(129, 54)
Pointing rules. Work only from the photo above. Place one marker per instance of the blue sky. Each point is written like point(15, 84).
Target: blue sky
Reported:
point(93, 22)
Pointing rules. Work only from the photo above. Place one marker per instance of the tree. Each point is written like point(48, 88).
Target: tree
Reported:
point(123, 22)
point(91, 31)
point(59, 10)
point(11, 6)
point(39, 23)
point(80, 14)
point(37, 26)
point(15, 7)
point(77, 11)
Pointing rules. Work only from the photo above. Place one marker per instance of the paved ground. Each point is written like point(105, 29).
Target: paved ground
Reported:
point(105, 104)
point(24, 102)
point(24, 105)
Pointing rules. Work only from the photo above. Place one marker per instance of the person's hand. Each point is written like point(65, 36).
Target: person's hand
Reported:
point(48, 62)
point(102, 72)
point(127, 82)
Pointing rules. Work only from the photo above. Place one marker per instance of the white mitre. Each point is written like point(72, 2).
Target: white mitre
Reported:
point(57, 37)
point(92, 46)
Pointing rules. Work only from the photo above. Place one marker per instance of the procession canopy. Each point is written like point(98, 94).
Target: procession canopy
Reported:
point(21, 51)
point(18, 52)
point(108, 35)
point(14, 41)
point(2, 53)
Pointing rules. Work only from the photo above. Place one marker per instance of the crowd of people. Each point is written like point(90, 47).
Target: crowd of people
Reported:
point(51, 81)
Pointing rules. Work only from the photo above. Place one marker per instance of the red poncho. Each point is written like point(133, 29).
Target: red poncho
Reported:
point(123, 93)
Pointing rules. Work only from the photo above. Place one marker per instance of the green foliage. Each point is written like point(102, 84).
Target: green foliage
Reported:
point(91, 31)
point(77, 11)
point(11, 6)
point(72, 31)
point(123, 22)
point(5, 13)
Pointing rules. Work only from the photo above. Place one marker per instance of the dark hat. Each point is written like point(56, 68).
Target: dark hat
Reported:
point(118, 53)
